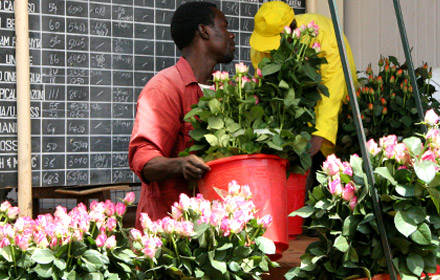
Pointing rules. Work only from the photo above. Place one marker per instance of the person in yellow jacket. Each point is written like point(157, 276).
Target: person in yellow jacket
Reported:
point(270, 21)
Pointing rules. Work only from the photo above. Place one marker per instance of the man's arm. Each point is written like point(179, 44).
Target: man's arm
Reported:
point(191, 167)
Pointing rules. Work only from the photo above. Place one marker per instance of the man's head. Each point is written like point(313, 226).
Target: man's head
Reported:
point(202, 25)
point(270, 21)
point(186, 20)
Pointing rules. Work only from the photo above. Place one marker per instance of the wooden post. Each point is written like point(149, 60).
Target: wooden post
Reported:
point(23, 108)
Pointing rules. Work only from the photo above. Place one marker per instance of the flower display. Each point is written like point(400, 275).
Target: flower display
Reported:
point(204, 239)
point(271, 112)
point(407, 177)
point(387, 104)
point(79, 244)
point(200, 239)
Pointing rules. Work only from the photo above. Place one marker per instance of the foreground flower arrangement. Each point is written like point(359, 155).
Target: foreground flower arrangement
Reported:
point(200, 240)
point(271, 112)
point(407, 179)
point(80, 244)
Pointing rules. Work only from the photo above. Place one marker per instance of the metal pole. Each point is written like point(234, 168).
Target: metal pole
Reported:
point(362, 141)
point(409, 63)
point(23, 108)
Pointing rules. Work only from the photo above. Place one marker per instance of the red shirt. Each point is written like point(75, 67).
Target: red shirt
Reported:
point(160, 131)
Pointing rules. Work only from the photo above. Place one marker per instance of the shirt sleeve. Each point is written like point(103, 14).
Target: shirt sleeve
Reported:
point(155, 130)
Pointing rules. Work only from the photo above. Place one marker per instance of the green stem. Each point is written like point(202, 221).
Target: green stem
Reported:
point(175, 247)
point(255, 234)
point(14, 259)
point(69, 257)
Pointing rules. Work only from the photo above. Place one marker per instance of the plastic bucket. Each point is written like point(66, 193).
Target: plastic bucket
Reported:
point(266, 177)
point(296, 193)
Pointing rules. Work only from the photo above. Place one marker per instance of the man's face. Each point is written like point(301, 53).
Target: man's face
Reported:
point(222, 41)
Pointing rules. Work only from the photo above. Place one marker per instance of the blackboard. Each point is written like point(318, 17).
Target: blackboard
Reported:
point(89, 62)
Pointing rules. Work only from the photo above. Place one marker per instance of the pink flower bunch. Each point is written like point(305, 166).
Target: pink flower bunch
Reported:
point(226, 217)
point(311, 29)
point(61, 228)
point(334, 168)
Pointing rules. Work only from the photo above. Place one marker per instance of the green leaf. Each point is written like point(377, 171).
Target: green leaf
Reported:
point(93, 259)
point(212, 140)
point(270, 69)
point(234, 266)
point(283, 84)
point(43, 256)
point(44, 270)
point(306, 262)
point(60, 263)
point(414, 145)
point(350, 225)
point(416, 214)
point(7, 253)
point(405, 191)
point(422, 235)
point(425, 170)
point(341, 243)
point(233, 127)
point(215, 123)
point(192, 113)
point(266, 245)
point(404, 224)
point(415, 263)
point(383, 171)
point(303, 212)
point(218, 265)
point(214, 106)
point(225, 246)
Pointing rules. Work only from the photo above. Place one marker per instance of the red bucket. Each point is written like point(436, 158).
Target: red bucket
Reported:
point(296, 193)
point(266, 177)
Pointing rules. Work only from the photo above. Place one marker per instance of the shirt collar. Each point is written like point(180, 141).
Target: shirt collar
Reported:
point(185, 71)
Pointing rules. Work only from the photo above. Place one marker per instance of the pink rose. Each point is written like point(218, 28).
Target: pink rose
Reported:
point(129, 198)
point(332, 165)
point(335, 186)
point(387, 141)
point(429, 155)
point(120, 209)
point(348, 192)
point(372, 147)
point(100, 240)
point(241, 68)
point(317, 47)
point(353, 202)
point(136, 234)
point(13, 212)
point(431, 117)
point(110, 243)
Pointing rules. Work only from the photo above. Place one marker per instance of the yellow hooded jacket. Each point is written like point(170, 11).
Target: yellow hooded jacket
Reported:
point(328, 108)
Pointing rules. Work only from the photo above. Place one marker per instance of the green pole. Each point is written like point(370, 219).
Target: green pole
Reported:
point(362, 142)
point(409, 63)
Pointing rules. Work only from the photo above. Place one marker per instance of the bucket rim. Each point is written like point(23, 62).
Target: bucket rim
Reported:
point(241, 157)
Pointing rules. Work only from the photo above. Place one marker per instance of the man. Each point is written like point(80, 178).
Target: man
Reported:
point(200, 32)
point(270, 21)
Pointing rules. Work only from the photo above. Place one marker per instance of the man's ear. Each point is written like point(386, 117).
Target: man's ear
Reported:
point(203, 31)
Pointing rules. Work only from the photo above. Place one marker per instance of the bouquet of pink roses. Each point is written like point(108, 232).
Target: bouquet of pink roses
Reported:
point(204, 239)
point(80, 244)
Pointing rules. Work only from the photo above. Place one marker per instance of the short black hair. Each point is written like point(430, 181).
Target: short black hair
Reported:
point(186, 20)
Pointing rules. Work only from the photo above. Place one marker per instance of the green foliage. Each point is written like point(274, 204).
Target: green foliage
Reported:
point(407, 182)
point(271, 113)
point(387, 105)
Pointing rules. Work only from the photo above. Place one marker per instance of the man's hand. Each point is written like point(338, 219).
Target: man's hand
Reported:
point(193, 168)
point(316, 142)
